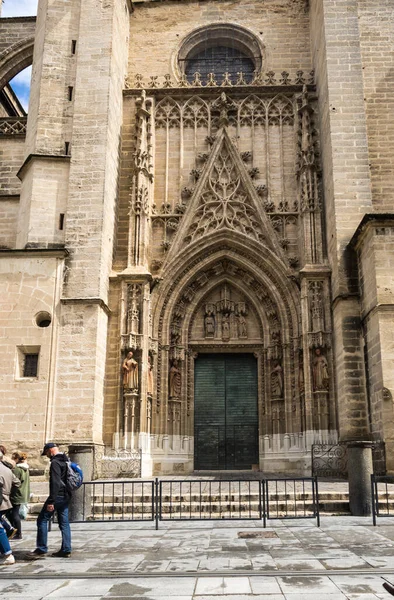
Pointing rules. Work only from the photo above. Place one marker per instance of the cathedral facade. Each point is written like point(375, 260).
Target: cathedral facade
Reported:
point(197, 232)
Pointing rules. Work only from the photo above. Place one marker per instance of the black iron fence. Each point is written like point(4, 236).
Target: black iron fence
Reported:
point(382, 488)
point(206, 499)
point(199, 499)
point(114, 501)
point(331, 460)
point(296, 498)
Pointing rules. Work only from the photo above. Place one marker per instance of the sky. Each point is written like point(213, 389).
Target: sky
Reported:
point(21, 83)
point(19, 8)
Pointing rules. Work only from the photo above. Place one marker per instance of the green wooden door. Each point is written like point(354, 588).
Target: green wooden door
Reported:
point(225, 412)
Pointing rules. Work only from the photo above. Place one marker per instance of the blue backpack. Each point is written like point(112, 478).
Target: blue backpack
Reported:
point(74, 476)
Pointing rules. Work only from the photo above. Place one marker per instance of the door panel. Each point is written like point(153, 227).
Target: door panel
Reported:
point(225, 412)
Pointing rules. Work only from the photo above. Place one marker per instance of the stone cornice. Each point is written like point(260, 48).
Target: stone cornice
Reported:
point(6, 20)
point(369, 220)
point(88, 300)
point(29, 252)
point(31, 157)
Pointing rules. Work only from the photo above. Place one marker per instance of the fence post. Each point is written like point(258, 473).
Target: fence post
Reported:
point(317, 501)
point(263, 485)
point(373, 496)
point(157, 502)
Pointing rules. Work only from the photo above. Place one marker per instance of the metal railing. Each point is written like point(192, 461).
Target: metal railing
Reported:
point(296, 498)
point(114, 501)
point(196, 499)
point(382, 488)
point(202, 499)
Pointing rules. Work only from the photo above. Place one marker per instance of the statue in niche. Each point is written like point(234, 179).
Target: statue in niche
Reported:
point(130, 372)
point(277, 381)
point(242, 330)
point(175, 380)
point(320, 372)
point(150, 377)
point(225, 327)
point(209, 324)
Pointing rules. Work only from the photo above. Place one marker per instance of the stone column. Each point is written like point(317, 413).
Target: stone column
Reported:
point(336, 55)
point(83, 455)
point(360, 468)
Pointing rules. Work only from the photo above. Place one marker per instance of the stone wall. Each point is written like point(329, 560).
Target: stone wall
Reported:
point(375, 245)
point(11, 158)
point(282, 27)
point(376, 42)
point(14, 30)
point(30, 284)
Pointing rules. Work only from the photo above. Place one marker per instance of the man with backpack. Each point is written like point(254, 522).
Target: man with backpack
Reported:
point(58, 499)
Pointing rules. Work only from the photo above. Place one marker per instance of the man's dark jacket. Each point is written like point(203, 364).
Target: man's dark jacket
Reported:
point(57, 478)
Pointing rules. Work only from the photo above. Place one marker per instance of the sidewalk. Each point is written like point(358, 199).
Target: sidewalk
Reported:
point(345, 558)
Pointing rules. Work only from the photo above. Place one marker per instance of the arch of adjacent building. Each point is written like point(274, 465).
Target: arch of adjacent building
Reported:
point(14, 59)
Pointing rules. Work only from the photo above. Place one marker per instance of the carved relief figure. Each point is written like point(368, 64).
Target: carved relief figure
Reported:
point(277, 381)
point(320, 372)
point(150, 377)
point(242, 330)
point(226, 327)
point(209, 324)
point(175, 380)
point(130, 372)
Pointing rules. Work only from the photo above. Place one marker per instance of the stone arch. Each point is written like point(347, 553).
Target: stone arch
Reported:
point(14, 59)
point(267, 268)
point(267, 287)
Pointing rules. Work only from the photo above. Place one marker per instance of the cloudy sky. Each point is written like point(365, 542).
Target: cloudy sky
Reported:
point(20, 8)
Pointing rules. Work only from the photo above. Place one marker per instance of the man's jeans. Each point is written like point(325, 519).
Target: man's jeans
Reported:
point(61, 508)
point(5, 547)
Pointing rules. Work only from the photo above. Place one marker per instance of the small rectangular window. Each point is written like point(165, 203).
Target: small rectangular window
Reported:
point(27, 362)
point(70, 92)
point(66, 148)
point(73, 46)
point(30, 365)
point(61, 221)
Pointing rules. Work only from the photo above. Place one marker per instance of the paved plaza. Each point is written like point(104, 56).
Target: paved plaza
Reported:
point(345, 558)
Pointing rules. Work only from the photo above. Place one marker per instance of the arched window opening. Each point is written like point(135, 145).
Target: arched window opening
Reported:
point(219, 60)
point(14, 97)
point(220, 48)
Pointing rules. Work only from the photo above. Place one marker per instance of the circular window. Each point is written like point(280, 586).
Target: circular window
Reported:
point(43, 319)
point(220, 49)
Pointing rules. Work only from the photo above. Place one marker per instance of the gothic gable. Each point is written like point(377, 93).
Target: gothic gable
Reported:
point(225, 200)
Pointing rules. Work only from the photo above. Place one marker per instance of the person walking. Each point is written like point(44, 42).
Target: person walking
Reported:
point(5, 548)
point(19, 495)
point(7, 480)
point(57, 500)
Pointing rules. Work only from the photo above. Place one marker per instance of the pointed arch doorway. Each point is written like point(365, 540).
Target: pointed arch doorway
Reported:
point(225, 412)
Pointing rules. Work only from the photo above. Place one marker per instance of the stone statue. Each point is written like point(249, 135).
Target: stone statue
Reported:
point(130, 372)
point(320, 372)
point(150, 377)
point(242, 331)
point(209, 324)
point(226, 327)
point(175, 380)
point(277, 381)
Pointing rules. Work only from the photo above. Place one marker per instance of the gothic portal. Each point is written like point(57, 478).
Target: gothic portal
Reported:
point(196, 232)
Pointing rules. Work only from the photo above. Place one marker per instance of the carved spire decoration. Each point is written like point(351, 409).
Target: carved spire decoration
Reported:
point(141, 183)
point(308, 173)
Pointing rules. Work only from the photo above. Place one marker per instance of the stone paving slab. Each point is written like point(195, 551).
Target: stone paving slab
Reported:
point(290, 560)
